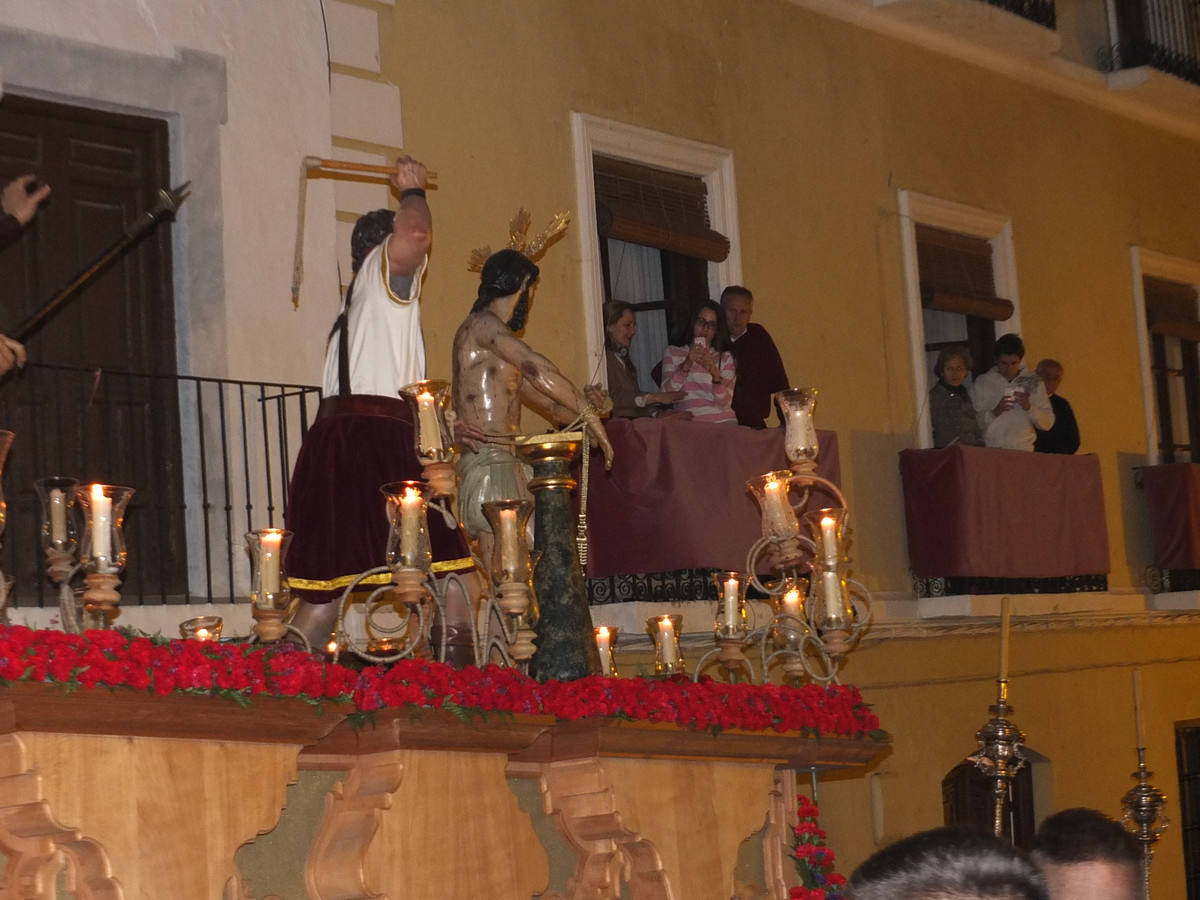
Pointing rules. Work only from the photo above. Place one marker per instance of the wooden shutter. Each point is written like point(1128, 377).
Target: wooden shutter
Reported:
point(956, 274)
point(1171, 308)
point(655, 208)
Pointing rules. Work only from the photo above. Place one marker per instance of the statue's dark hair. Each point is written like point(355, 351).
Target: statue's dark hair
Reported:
point(369, 231)
point(503, 274)
point(1083, 835)
point(948, 864)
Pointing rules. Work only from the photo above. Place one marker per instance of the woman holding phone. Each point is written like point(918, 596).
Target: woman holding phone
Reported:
point(703, 369)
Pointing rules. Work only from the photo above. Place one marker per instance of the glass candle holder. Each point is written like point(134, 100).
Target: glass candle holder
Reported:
point(268, 549)
point(665, 630)
point(201, 628)
point(606, 644)
point(828, 529)
point(428, 400)
point(102, 546)
point(510, 551)
point(408, 533)
point(773, 492)
point(829, 606)
point(788, 606)
point(60, 525)
point(731, 620)
point(6, 586)
point(800, 434)
point(6, 442)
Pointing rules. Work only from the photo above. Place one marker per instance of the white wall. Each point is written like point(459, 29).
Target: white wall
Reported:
point(235, 237)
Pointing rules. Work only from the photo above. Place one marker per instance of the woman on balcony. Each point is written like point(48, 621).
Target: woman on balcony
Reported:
point(951, 406)
point(629, 401)
point(703, 369)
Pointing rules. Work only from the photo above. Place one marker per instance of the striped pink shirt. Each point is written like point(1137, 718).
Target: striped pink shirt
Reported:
point(706, 401)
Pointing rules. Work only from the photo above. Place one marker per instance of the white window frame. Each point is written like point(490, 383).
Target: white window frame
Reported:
point(923, 209)
point(1142, 262)
point(713, 164)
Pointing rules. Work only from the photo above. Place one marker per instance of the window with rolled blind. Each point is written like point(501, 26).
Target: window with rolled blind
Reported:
point(1173, 321)
point(958, 293)
point(666, 212)
point(655, 208)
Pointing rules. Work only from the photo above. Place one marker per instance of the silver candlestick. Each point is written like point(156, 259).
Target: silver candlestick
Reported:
point(999, 755)
point(1143, 804)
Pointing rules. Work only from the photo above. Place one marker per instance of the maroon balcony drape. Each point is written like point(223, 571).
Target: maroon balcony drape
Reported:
point(979, 511)
point(676, 496)
point(1173, 498)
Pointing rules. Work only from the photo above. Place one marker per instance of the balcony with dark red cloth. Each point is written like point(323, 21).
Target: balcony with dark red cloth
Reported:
point(985, 521)
point(1173, 499)
point(675, 505)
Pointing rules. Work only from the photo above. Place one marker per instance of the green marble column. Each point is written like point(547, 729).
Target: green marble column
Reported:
point(566, 649)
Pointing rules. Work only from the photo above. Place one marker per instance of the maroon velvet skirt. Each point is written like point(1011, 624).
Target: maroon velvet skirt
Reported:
point(336, 511)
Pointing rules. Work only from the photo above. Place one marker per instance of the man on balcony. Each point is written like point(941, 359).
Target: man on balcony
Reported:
point(1011, 401)
point(760, 371)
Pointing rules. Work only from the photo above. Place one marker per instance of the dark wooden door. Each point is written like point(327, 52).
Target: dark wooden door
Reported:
point(101, 424)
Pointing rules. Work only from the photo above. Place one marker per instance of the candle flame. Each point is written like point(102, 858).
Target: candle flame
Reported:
point(97, 491)
point(827, 522)
point(411, 494)
point(792, 597)
point(602, 631)
point(202, 634)
point(424, 397)
point(272, 536)
point(331, 647)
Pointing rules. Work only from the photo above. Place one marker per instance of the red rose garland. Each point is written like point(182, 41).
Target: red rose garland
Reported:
point(240, 671)
point(814, 861)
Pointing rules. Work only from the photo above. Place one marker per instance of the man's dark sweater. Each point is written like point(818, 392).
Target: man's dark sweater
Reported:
point(760, 374)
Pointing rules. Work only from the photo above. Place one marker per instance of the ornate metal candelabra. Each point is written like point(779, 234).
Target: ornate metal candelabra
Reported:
point(494, 607)
point(819, 612)
point(999, 756)
point(1143, 806)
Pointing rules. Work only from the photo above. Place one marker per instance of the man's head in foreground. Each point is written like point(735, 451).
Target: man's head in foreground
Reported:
point(1085, 855)
point(948, 864)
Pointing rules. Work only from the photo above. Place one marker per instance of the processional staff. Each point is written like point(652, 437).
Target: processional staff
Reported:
point(166, 204)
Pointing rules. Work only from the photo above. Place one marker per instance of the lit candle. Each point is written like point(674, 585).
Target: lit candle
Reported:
point(507, 540)
point(1005, 620)
point(666, 640)
point(410, 523)
point(1137, 708)
point(429, 434)
point(791, 602)
point(271, 542)
point(780, 519)
point(829, 538)
point(101, 524)
point(203, 634)
point(604, 645)
point(731, 603)
point(58, 516)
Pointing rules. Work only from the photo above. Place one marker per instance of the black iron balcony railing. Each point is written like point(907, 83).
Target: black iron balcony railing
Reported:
point(1038, 11)
point(1164, 34)
point(209, 459)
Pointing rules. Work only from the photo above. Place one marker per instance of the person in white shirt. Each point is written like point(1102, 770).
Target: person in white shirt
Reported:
point(1010, 401)
point(363, 434)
